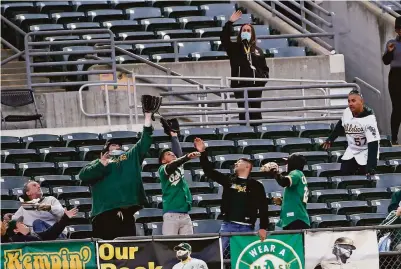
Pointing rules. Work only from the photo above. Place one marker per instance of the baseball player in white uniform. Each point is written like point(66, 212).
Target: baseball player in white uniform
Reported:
point(342, 251)
point(183, 253)
point(360, 127)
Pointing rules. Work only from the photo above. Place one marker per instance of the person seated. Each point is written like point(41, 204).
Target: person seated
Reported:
point(17, 231)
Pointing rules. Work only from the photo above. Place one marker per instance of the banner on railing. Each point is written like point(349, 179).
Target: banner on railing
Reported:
point(191, 253)
point(277, 251)
point(345, 250)
point(55, 255)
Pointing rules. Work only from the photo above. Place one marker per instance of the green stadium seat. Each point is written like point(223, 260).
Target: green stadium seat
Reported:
point(82, 25)
point(6, 194)
point(390, 153)
point(206, 200)
point(19, 155)
point(387, 180)
point(8, 169)
point(271, 185)
point(181, 11)
point(79, 231)
point(350, 182)
point(17, 192)
point(339, 144)
point(122, 4)
point(71, 167)
point(257, 174)
point(10, 9)
point(55, 6)
point(24, 21)
point(162, 3)
point(100, 15)
point(206, 226)
point(83, 204)
point(383, 167)
point(139, 35)
point(220, 147)
point(82, 139)
point(55, 180)
point(11, 182)
point(201, 2)
point(194, 22)
point(71, 192)
point(159, 24)
point(168, 57)
point(125, 59)
point(329, 195)
point(11, 142)
point(9, 206)
point(152, 189)
point(253, 146)
point(212, 10)
point(32, 169)
point(314, 130)
point(267, 44)
point(122, 137)
point(294, 144)
point(58, 154)
point(274, 210)
point(396, 164)
point(227, 161)
point(199, 187)
point(380, 206)
point(156, 201)
point(148, 177)
point(385, 141)
point(140, 229)
point(318, 183)
point(193, 164)
point(237, 133)
point(90, 153)
point(177, 33)
point(199, 175)
point(208, 55)
point(329, 221)
point(154, 228)
point(214, 212)
point(203, 133)
point(198, 213)
point(350, 207)
point(276, 131)
point(367, 219)
point(208, 32)
point(335, 156)
point(326, 169)
point(147, 215)
point(46, 27)
point(317, 209)
point(79, 219)
point(42, 141)
point(277, 157)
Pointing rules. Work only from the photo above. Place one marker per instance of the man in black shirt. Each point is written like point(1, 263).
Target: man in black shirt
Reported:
point(243, 199)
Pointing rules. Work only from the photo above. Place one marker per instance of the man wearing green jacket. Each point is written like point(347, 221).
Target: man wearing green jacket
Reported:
point(117, 189)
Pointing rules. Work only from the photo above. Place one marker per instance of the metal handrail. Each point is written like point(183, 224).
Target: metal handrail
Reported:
point(370, 87)
point(12, 25)
point(385, 8)
point(12, 57)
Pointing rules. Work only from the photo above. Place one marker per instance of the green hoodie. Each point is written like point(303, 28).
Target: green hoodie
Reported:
point(119, 184)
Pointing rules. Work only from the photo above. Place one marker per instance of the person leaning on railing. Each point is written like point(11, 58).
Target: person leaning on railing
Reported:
point(392, 57)
point(247, 61)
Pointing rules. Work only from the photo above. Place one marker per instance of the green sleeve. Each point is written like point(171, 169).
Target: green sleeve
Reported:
point(295, 178)
point(395, 201)
point(143, 145)
point(162, 174)
point(92, 171)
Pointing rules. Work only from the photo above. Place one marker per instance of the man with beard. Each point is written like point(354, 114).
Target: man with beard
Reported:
point(183, 253)
point(342, 250)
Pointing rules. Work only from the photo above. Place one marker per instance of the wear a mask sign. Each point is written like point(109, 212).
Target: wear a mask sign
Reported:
point(188, 253)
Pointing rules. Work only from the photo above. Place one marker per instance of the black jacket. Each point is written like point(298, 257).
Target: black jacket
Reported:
point(256, 197)
point(50, 234)
point(240, 66)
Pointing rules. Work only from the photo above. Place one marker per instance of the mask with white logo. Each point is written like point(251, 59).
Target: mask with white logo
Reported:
point(116, 152)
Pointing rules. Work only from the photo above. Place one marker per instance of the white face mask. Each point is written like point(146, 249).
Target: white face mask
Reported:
point(116, 152)
point(246, 36)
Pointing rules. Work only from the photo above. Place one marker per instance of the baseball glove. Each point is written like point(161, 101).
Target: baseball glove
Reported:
point(270, 167)
point(171, 125)
point(151, 104)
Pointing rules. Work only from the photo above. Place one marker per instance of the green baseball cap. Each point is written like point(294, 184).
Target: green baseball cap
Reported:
point(183, 246)
point(12, 225)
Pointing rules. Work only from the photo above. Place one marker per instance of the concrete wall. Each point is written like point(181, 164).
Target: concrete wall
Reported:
point(63, 110)
point(363, 31)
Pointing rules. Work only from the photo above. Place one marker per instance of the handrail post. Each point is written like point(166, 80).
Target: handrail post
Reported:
point(131, 120)
point(302, 3)
point(246, 106)
point(169, 81)
point(106, 88)
point(135, 100)
point(175, 45)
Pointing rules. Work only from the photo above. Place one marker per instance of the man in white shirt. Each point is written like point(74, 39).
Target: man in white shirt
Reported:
point(360, 127)
point(40, 213)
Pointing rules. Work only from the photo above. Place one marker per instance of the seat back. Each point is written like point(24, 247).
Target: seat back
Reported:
point(16, 98)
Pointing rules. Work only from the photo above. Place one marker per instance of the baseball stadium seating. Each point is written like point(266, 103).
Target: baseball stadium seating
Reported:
point(334, 200)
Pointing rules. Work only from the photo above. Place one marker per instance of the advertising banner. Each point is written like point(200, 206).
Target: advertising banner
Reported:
point(188, 253)
point(276, 251)
point(341, 250)
point(54, 255)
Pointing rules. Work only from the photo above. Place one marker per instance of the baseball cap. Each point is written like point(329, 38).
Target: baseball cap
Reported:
point(13, 224)
point(183, 246)
point(356, 92)
point(345, 241)
point(110, 142)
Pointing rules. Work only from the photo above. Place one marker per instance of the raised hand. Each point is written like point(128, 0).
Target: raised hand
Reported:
point(236, 16)
point(199, 145)
point(193, 155)
point(104, 158)
point(390, 47)
point(326, 145)
point(262, 234)
point(71, 213)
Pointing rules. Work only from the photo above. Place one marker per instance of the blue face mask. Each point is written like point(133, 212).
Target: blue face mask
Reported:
point(246, 35)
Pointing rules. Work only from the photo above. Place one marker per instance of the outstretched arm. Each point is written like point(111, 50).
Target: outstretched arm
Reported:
point(175, 145)
point(143, 145)
point(171, 167)
point(388, 55)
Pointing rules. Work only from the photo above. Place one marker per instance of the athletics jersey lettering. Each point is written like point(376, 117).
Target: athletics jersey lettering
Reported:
point(359, 132)
point(175, 177)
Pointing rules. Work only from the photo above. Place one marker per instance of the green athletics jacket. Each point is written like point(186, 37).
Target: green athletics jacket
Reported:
point(119, 184)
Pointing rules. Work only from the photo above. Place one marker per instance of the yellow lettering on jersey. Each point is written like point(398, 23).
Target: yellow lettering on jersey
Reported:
point(239, 188)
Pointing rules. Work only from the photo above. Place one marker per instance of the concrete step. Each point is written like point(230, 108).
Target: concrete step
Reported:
point(7, 71)
point(6, 53)
point(22, 82)
point(13, 76)
point(16, 64)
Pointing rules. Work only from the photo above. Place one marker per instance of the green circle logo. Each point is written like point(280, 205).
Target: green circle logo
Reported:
point(269, 254)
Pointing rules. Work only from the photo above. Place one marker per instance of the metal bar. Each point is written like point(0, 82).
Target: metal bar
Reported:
point(135, 100)
point(170, 85)
point(106, 89)
point(197, 39)
point(9, 45)
point(71, 63)
point(55, 74)
point(370, 87)
point(46, 53)
point(9, 59)
point(328, 13)
point(270, 88)
point(68, 42)
point(296, 15)
point(12, 25)
point(396, 3)
point(177, 77)
point(251, 110)
point(387, 9)
point(302, 7)
point(83, 31)
point(310, 13)
point(55, 84)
